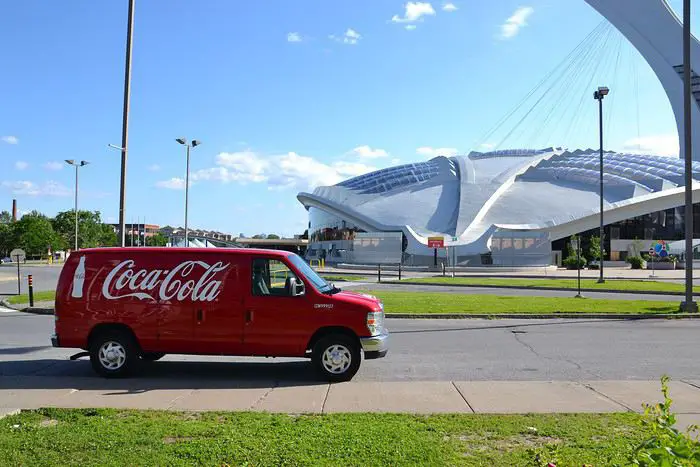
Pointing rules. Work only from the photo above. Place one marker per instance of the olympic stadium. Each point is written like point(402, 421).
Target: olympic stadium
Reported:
point(519, 207)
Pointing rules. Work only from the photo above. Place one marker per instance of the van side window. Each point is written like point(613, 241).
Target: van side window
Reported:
point(271, 277)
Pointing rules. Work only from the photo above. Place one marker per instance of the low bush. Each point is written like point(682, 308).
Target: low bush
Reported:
point(636, 262)
point(571, 262)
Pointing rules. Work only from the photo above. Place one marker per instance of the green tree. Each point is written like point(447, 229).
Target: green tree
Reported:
point(157, 240)
point(35, 234)
point(273, 237)
point(5, 217)
point(107, 236)
point(91, 231)
point(7, 238)
point(594, 248)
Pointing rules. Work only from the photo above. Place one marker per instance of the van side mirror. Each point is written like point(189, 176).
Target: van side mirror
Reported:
point(295, 287)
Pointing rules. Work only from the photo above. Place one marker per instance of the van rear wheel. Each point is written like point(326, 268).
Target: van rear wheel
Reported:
point(336, 357)
point(113, 354)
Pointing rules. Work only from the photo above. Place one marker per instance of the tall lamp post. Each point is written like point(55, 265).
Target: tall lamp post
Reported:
point(125, 125)
point(688, 305)
point(599, 95)
point(77, 165)
point(187, 145)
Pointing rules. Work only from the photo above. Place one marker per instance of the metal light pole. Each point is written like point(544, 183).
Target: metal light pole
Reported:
point(187, 145)
point(125, 124)
point(688, 305)
point(599, 95)
point(77, 165)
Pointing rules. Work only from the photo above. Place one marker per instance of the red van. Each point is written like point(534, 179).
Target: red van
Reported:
point(123, 305)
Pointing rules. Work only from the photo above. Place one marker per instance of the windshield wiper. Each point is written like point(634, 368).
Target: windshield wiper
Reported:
point(332, 290)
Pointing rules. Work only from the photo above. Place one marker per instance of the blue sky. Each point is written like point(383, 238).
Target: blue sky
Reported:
point(286, 96)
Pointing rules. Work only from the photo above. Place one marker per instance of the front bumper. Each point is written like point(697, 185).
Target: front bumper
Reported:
point(375, 346)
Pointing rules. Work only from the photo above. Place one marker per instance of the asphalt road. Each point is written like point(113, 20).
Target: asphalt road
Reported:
point(45, 277)
point(421, 350)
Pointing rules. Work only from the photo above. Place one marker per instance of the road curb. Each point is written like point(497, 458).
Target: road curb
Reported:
point(561, 289)
point(543, 316)
point(37, 311)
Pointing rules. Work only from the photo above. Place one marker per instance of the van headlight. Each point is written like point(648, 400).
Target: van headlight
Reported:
point(375, 322)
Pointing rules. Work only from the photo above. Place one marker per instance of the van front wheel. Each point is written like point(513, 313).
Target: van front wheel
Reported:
point(336, 357)
point(113, 354)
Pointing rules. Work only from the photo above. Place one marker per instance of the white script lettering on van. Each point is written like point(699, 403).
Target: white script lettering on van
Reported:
point(164, 284)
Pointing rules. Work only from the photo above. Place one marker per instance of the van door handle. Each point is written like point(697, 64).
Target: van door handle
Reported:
point(200, 316)
point(249, 316)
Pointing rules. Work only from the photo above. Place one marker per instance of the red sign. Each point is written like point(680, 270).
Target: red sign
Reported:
point(436, 242)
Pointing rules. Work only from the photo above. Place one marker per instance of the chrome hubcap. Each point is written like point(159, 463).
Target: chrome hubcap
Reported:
point(336, 359)
point(112, 355)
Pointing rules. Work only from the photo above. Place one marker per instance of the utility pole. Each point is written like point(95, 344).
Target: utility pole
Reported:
point(125, 124)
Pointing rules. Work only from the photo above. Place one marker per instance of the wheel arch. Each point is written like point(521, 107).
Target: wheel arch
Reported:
point(330, 330)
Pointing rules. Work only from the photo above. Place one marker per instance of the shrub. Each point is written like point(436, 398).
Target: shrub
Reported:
point(666, 445)
point(570, 262)
point(636, 262)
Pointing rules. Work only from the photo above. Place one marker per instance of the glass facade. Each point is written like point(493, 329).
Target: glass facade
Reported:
point(668, 224)
point(324, 227)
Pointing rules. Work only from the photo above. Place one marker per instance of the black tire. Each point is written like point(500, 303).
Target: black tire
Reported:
point(152, 356)
point(124, 354)
point(344, 348)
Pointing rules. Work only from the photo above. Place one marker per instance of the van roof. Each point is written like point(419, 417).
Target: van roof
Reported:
point(240, 251)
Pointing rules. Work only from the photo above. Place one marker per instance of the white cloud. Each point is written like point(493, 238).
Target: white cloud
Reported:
point(154, 168)
point(24, 187)
point(517, 21)
point(434, 152)
point(662, 145)
point(53, 165)
point(350, 37)
point(410, 27)
point(396, 161)
point(174, 183)
point(487, 146)
point(21, 165)
point(242, 166)
point(366, 152)
point(10, 139)
point(449, 7)
point(294, 37)
point(282, 171)
point(414, 11)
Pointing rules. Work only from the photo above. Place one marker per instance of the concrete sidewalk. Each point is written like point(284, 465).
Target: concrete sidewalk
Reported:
point(426, 397)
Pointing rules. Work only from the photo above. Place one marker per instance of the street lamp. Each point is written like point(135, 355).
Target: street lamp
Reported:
point(77, 165)
point(194, 143)
point(599, 95)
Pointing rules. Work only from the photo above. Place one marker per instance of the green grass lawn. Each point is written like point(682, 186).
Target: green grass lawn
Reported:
point(344, 278)
point(113, 437)
point(437, 302)
point(44, 296)
point(611, 284)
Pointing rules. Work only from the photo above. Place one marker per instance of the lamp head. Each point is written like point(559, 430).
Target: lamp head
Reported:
point(82, 163)
point(181, 140)
point(196, 142)
point(70, 161)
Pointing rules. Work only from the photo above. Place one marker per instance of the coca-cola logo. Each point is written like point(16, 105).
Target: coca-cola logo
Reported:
point(178, 283)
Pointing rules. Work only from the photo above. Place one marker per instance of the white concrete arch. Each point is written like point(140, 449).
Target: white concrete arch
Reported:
point(656, 32)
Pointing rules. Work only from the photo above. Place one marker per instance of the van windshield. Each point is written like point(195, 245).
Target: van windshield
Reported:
point(319, 282)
